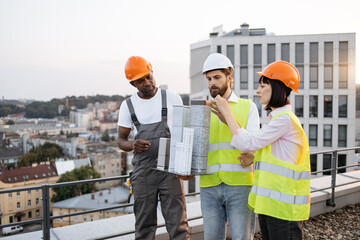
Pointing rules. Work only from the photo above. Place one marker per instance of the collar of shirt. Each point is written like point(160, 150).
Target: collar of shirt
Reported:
point(279, 110)
point(232, 98)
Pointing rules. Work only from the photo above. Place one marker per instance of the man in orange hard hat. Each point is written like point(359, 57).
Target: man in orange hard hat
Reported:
point(147, 112)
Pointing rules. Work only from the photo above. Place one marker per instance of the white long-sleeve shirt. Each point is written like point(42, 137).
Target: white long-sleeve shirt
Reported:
point(281, 133)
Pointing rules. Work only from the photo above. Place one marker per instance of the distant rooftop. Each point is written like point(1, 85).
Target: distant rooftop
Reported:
point(22, 174)
point(244, 30)
point(100, 199)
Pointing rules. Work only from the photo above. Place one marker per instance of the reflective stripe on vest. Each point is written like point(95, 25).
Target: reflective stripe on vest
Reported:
point(278, 196)
point(227, 168)
point(282, 171)
point(220, 146)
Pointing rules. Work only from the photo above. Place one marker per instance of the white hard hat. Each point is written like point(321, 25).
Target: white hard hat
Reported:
point(216, 61)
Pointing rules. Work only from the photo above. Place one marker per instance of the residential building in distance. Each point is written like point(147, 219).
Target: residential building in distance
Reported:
point(325, 103)
point(21, 206)
point(109, 162)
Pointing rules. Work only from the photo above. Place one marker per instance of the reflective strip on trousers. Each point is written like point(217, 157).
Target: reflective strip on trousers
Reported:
point(278, 196)
point(220, 146)
point(282, 171)
point(227, 168)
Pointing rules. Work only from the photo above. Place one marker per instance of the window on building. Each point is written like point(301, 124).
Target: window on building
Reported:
point(328, 106)
point(257, 54)
point(328, 77)
point(314, 53)
point(342, 136)
point(244, 55)
point(244, 78)
point(342, 106)
point(343, 64)
point(313, 111)
point(258, 104)
point(270, 53)
point(244, 96)
point(219, 49)
point(18, 194)
point(37, 191)
point(327, 163)
point(314, 77)
point(313, 135)
point(327, 135)
point(29, 203)
point(341, 163)
point(230, 53)
point(37, 213)
point(300, 69)
point(299, 53)
point(76, 219)
point(10, 195)
point(299, 105)
point(343, 76)
point(285, 52)
point(37, 201)
point(18, 205)
point(29, 191)
point(343, 52)
point(91, 218)
point(256, 77)
point(84, 219)
point(30, 214)
point(11, 219)
point(313, 162)
point(328, 52)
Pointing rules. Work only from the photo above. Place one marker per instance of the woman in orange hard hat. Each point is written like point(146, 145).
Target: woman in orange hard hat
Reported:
point(280, 194)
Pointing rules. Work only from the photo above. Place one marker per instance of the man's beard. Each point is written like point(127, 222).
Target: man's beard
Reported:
point(214, 91)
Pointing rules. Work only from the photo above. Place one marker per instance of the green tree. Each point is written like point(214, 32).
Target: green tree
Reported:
point(105, 136)
point(10, 122)
point(82, 173)
point(45, 152)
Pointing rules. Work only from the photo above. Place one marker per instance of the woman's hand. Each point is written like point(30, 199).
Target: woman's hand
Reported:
point(246, 159)
point(215, 110)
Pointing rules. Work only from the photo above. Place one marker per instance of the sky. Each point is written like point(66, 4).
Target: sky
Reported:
point(57, 48)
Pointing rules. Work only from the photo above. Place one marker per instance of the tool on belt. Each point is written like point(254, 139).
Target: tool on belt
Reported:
point(130, 187)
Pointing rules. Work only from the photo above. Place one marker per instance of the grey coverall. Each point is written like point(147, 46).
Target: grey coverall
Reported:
point(149, 183)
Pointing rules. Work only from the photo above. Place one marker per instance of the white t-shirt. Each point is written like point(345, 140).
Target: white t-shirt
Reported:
point(148, 110)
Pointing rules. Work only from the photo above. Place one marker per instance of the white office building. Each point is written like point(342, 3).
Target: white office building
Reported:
point(325, 103)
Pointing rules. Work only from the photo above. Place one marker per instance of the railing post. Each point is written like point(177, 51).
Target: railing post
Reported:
point(331, 202)
point(45, 212)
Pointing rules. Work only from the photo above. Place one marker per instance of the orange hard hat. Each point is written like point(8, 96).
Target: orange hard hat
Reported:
point(284, 72)
point(136, 67)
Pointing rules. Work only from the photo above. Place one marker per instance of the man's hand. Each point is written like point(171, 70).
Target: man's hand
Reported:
point(246, 159)
point(185, 178)
point(140, 145)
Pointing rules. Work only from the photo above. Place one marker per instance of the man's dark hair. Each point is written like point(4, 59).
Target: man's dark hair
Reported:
point(279, 95)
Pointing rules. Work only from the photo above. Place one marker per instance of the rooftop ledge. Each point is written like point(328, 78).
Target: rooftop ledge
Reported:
point(112, 228)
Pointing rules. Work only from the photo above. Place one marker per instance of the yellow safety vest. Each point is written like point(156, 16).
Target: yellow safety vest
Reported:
point(282, 189)
point(222, 163)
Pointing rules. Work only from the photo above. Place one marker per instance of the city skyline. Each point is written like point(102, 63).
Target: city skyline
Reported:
point(54, 49)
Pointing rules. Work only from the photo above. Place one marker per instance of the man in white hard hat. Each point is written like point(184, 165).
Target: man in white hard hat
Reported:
point(225, 189)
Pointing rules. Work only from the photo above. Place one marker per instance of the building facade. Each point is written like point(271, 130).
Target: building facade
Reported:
point(326, 100)
point(25, 205)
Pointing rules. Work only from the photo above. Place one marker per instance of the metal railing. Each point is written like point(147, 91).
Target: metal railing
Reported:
point(46, 218)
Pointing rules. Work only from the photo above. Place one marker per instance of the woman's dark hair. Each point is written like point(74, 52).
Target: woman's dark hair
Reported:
point(280, 93)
